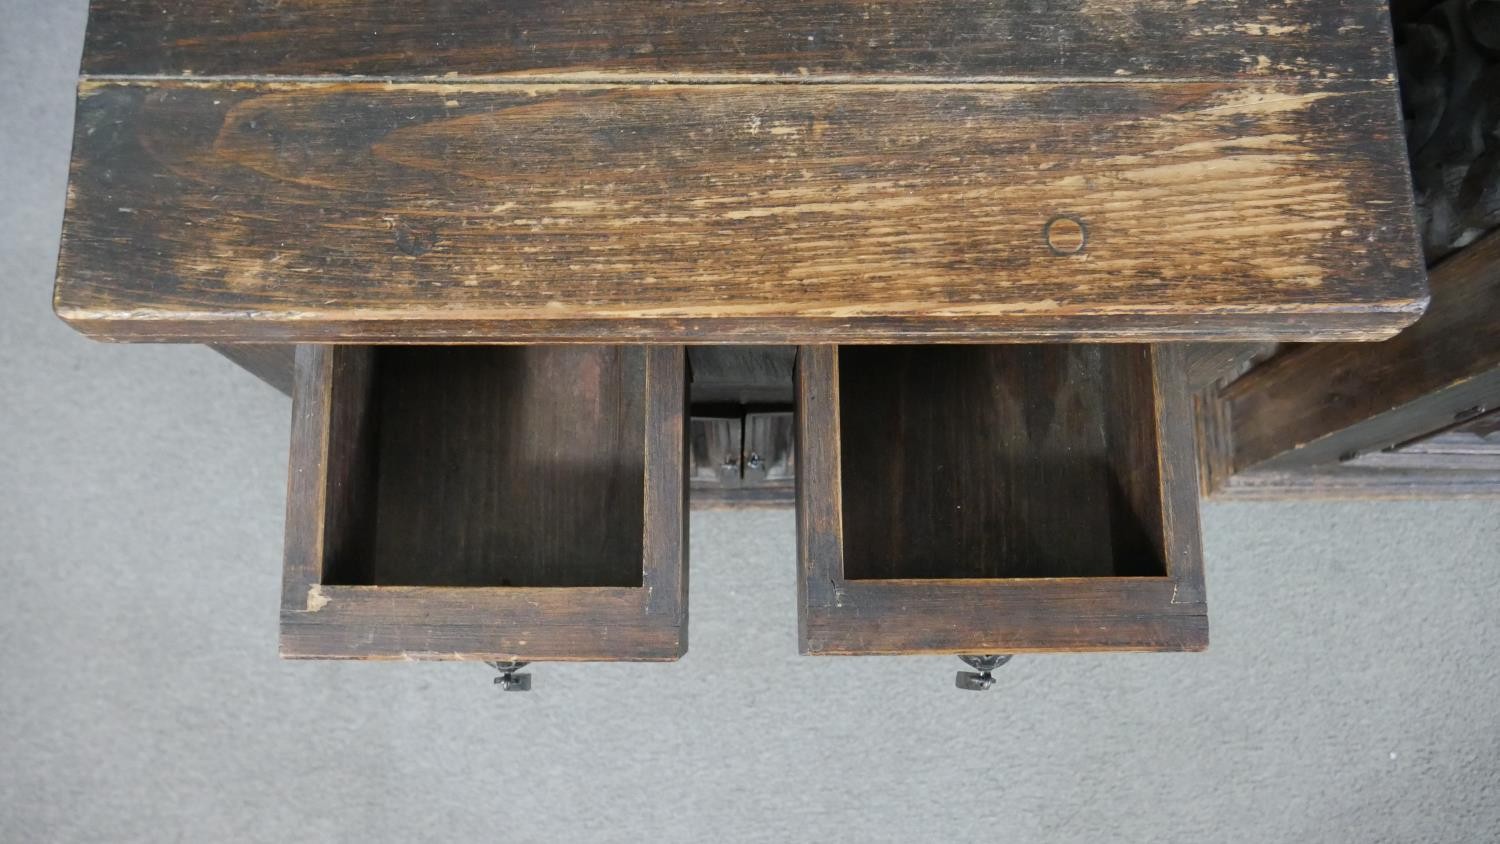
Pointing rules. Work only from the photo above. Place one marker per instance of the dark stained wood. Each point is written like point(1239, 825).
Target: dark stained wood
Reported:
point(819, 520)
point(493, 212)
point(742, 375)
point(1110, 39)
point(496, 503)
point(924, 527)
point(1460, 462)
point(308, 482)
point(351, 463)
point(984, 462)
point(666, 467)
point(275, 365)
point(1382, 480)
point(509, 466)
point(429, 623)
point(1211, 431)
point(1016, 616)
point(1179, 537)
point(1321, 403)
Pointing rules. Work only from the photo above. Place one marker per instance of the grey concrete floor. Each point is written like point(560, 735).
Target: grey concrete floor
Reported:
point(1351, 693)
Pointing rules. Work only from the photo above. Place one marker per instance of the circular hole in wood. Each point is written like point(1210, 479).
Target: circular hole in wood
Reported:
point(1066, 235)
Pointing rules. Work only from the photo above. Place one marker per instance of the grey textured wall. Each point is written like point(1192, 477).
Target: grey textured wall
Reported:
point(1351, 694)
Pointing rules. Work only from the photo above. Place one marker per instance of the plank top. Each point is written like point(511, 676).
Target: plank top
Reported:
point(935, 39)
point(567, 170)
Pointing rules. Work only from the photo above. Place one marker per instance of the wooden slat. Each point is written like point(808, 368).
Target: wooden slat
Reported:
point(307, 478)
point(430, 623)
point(1177, 470)
point(493, 212)
point(1111, 39)
point(1211, 363)
point(1317, 404)
point(515, 466)
point(1088, 614)
point(989, 462)
point(1356, 482)
point(820, 526)
point(666, 481)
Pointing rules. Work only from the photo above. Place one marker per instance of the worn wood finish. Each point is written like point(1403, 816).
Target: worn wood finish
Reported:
point(996, 499)
point(1211, 363)
point(1109, 39)
point(1322, 403)
point(275, 365)
point(509, 466)
point(737, 213)
point(990, 461)
point(1358, 481)
point(1460, 462)
point(1021, 616)
point(482, 503)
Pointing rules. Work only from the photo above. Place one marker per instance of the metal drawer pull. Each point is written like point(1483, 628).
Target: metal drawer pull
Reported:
point(979, 679)
point(509, 680)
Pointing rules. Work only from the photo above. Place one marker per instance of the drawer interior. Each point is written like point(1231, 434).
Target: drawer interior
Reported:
point(1004, 461)
point(996, 499)
point(484, 466)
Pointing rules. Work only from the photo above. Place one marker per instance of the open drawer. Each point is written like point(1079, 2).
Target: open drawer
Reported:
point(996, 499)
point(490, 502)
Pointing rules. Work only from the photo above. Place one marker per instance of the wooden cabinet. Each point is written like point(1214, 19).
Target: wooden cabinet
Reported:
point(994, 499)
point(644, 173)
point(498, 502)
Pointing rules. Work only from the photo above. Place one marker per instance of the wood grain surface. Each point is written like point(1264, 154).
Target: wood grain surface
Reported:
point(1321, 403)
point(1063, 517)
point(991, 461)
point(779, 38)
point(469, 211)
point(497, 503)
point(509, 466)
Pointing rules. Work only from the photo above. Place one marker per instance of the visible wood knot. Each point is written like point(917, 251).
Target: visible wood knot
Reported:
point(1065, 234)
point(415, 242)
